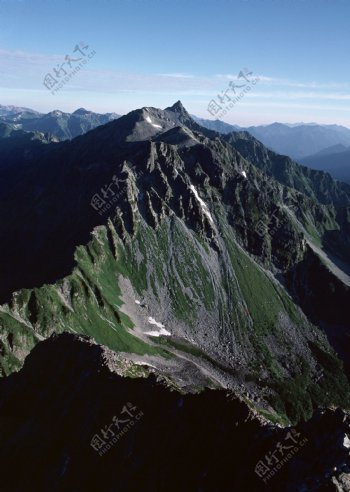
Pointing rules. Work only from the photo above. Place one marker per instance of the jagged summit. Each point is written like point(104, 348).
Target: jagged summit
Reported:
point(149, 122)
point(178, 107)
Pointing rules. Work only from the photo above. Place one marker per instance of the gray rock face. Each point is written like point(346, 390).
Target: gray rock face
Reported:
point(216, 236)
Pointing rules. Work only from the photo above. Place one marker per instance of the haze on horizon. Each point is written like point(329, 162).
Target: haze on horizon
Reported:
point(154, 53)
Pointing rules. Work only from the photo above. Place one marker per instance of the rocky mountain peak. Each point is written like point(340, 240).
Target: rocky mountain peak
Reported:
point(81, 112)
point(178, 107)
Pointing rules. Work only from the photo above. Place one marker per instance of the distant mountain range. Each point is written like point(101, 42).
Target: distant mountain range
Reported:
point(216, 125)
point(13, 111)
point(334, 160)
point(324, 147)
point(300, 141)
point(330, 143)
point(297, 141)
point(61, 125)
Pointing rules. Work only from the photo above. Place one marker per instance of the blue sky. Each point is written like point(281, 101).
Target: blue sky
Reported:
point(154, 52)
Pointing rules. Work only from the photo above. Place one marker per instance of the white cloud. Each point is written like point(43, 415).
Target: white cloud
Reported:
point(300, 95)
point(22, 73)
point(230, 76)
point(177, 75)
point(24, 56)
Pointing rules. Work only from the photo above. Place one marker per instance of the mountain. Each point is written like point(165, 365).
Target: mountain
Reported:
point(206, 257)
point(12, 113)
point(333, 149)
point(335, 161)
point(17, 148)
point(295, 140)
point(57, 123)
point(216, 125)
point(6, 130)
point(300, 141)
point(84, 427)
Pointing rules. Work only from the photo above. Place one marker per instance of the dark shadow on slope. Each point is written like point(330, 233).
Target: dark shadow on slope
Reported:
point(324, 299)
point(46, 208)
point(209, 442)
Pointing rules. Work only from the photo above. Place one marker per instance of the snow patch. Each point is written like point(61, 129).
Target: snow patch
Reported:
point(203, 204)
point(155, 333)
point(143, 363)
point(244, 174)
point(148, 119)
point(346, 442)
point(162, 331)
point(152, 321)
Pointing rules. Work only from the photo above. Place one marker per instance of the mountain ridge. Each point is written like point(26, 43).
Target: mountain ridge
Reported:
point(61, 125)
point(190, 213)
